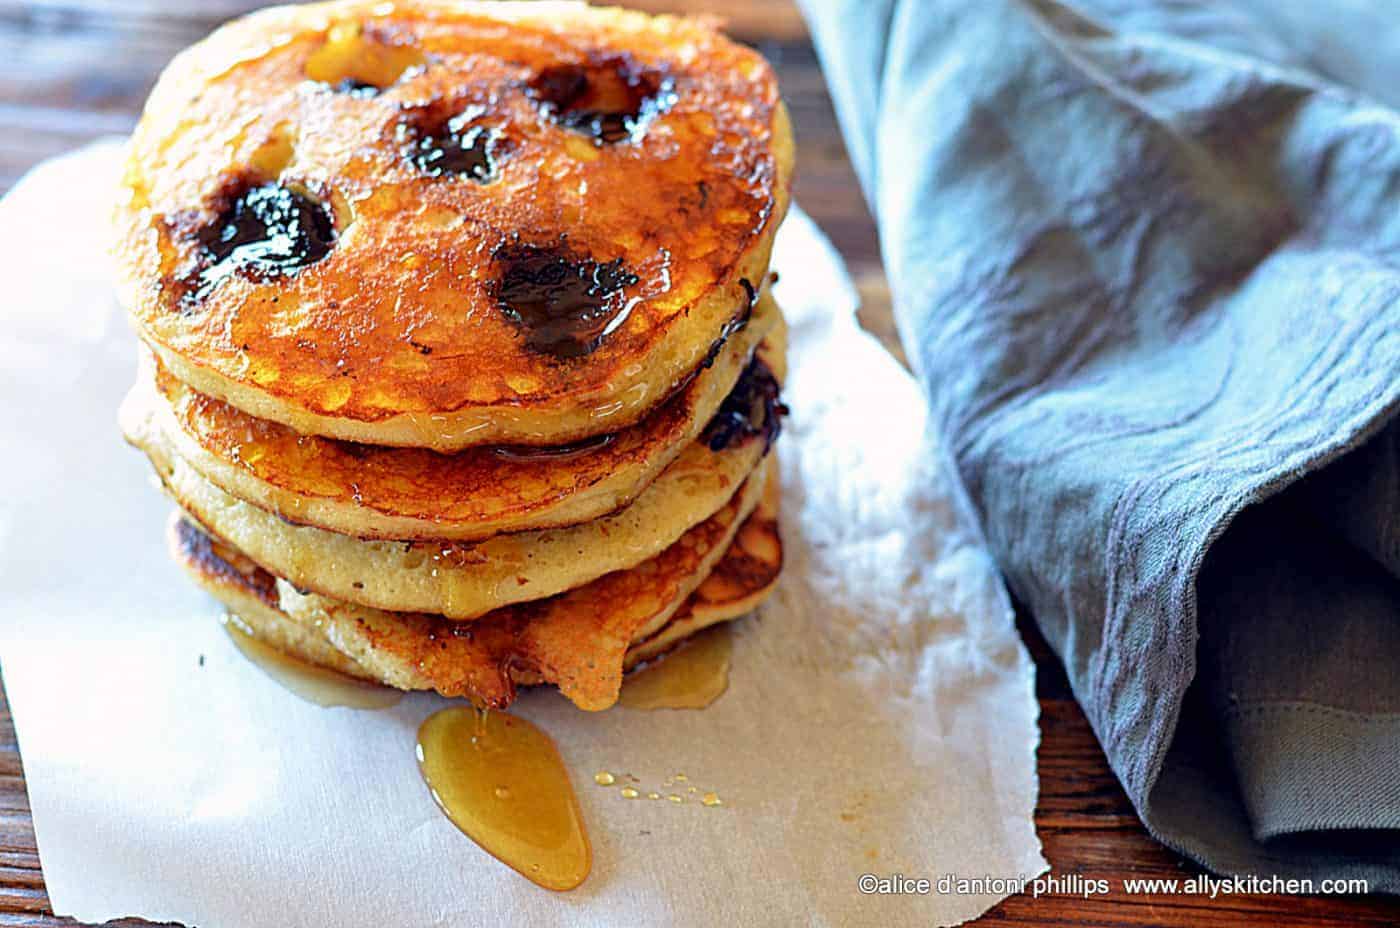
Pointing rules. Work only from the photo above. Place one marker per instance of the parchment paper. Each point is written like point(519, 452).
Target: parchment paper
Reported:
point(880, 716)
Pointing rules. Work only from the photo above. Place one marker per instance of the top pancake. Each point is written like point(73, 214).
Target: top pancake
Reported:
point(446, 224)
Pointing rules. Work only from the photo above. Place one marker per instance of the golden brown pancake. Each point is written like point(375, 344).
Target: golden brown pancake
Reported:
point(463, 580)
point(742, 579)
point(414, 493)
point(444, 224)
point(580, 631)
point(577, 640)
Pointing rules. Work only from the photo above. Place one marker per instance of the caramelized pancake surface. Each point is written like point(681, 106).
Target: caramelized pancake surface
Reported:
point(405, 493)
point(443, 224)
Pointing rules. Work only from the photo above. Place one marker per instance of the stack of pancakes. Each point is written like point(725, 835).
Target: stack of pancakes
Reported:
point(459, 356)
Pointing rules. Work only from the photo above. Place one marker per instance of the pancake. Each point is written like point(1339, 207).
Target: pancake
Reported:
point(413, 493)
point(582, 628)
point(742, 580)
point(577, 641)
point(463, 580)
point(445, 224)
point(251, 594)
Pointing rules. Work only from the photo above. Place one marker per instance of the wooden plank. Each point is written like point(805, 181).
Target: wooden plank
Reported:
point(767, 19)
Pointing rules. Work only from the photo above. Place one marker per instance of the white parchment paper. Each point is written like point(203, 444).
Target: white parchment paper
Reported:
point(880, 716)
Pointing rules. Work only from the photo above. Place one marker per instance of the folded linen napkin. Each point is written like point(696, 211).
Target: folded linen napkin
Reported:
point(1146, 262)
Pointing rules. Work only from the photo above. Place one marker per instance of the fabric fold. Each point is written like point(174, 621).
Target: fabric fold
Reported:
point(1145, 259)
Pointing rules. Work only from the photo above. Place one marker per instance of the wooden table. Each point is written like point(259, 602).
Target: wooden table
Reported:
point(76, 70)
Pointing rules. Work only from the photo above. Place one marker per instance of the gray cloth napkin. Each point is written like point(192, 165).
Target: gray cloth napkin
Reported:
point(1146, 260)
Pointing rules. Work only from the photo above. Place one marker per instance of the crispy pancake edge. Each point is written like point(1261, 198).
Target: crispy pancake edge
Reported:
point(250, 595)
point(745, 577)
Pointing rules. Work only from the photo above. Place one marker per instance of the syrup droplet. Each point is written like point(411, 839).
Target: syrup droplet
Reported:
point(674, 798)
point(711, 799)
point(603, 778)
point(317, 685)
point(653, 795)
point(692, 676)
point(268, 230)
point(535, 829)
point(629, 792)
point(611, 101)
point(565, 305)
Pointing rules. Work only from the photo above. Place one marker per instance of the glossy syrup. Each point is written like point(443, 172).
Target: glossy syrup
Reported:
point(563, 304)
point(267, 230)
point(692, 676)
point(457, 146)
point(317, 685)
point(502, 782)
point(675, 789)
point(567, 452)
point(362, 61)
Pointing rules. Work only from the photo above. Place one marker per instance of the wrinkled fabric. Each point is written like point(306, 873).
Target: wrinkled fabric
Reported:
point(1145, 259)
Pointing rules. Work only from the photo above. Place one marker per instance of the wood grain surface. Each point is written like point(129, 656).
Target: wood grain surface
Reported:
point(73, 71)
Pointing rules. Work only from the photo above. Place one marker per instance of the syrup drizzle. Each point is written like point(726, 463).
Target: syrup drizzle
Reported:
point(317, 685)
point(555, 452)
point(692, 676)
point(362, 60)
point(501, 781)
point(565, 305)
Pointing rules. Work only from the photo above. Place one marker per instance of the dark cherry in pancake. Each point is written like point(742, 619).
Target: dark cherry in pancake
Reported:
point(564, 304)
point(752, 409)
point(266, 230)
point(460, 145)
point(610, 99)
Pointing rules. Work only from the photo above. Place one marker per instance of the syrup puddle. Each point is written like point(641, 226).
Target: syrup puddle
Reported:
point(501, 781)
point(692, 676)
point(316, 685)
